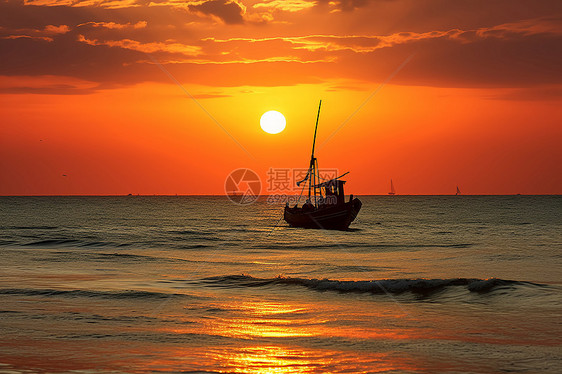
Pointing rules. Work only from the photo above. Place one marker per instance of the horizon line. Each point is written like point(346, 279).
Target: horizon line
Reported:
point(267, 195)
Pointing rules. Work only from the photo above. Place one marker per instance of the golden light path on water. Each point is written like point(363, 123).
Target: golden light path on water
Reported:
point(254, 321)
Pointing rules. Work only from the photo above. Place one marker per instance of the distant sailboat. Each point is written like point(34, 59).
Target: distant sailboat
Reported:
point(392, 191)
point(458, 191)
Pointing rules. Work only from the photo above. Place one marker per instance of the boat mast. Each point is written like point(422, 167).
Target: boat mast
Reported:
point(312, 166)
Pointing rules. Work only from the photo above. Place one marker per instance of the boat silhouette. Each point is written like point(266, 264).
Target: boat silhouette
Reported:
point(325, 207)
point(392, 191)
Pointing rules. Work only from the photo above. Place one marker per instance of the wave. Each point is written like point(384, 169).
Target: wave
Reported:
point(191, 241)
point(123, 258)
point(383, 286)
point(127, 294)
point(359, 246)
point(51, 242)
point(29, 227)
point(177, 243)
point(72, 243)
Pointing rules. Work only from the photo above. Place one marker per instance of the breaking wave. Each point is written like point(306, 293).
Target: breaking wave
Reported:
point(393, 286)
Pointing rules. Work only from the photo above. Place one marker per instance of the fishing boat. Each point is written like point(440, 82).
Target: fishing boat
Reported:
point(326, 207)
point(392, 191)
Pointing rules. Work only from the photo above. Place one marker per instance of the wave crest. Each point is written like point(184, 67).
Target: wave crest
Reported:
point(394, 286)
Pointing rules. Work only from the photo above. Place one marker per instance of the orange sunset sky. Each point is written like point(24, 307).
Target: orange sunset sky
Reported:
point(473, 94)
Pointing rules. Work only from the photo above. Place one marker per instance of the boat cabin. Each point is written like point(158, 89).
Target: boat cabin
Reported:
point(332, 191)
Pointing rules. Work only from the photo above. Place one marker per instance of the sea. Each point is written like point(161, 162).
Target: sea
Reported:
point(198, 284)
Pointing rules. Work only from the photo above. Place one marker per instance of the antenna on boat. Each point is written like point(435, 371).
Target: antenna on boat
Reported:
point(312, 166)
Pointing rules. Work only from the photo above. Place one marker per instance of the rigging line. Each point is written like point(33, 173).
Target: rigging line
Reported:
point(277, 224)
point(368, 98)
point(198, 103)
point(274, 227)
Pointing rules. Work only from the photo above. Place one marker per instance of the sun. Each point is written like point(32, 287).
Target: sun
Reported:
point(272, 122)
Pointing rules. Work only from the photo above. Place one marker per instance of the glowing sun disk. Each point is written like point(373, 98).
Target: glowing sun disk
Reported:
point(272, 122)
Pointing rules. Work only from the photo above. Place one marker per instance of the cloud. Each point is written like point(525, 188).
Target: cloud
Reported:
point(228, 11)
point(49, 2)
point(244, 61)
point(486, 63)
point(231, 12)
point(116, 26)
point(183, 49)
point(344, 5)
point(45, 34)
point(285, 5)
point(66, 56)
point(108, 46)
point(45, 38)
point(108, 4)
point(534, 26)
point(53, 30)
point(540, 93)
point(351, 43)
point(370, 43)
point(210, 95)
point(47, 30)
point(117, 4)
point(46, 85)
point(507, 55)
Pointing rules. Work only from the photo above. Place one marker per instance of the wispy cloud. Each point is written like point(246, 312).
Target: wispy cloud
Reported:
point(108, 4)
point(370, 43)
point(184, 49)
point(115, 26)
point(53, 30)
point(285, 5)
point(46, 85)
point(246, 61)
point(46, 34)
point(44, 38)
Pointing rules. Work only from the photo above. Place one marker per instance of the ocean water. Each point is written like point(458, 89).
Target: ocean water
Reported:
point(421, 284)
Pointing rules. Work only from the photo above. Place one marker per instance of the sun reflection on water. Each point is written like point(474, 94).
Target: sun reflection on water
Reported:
point(268, 359)
point(275, 324)
point(262, 319)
